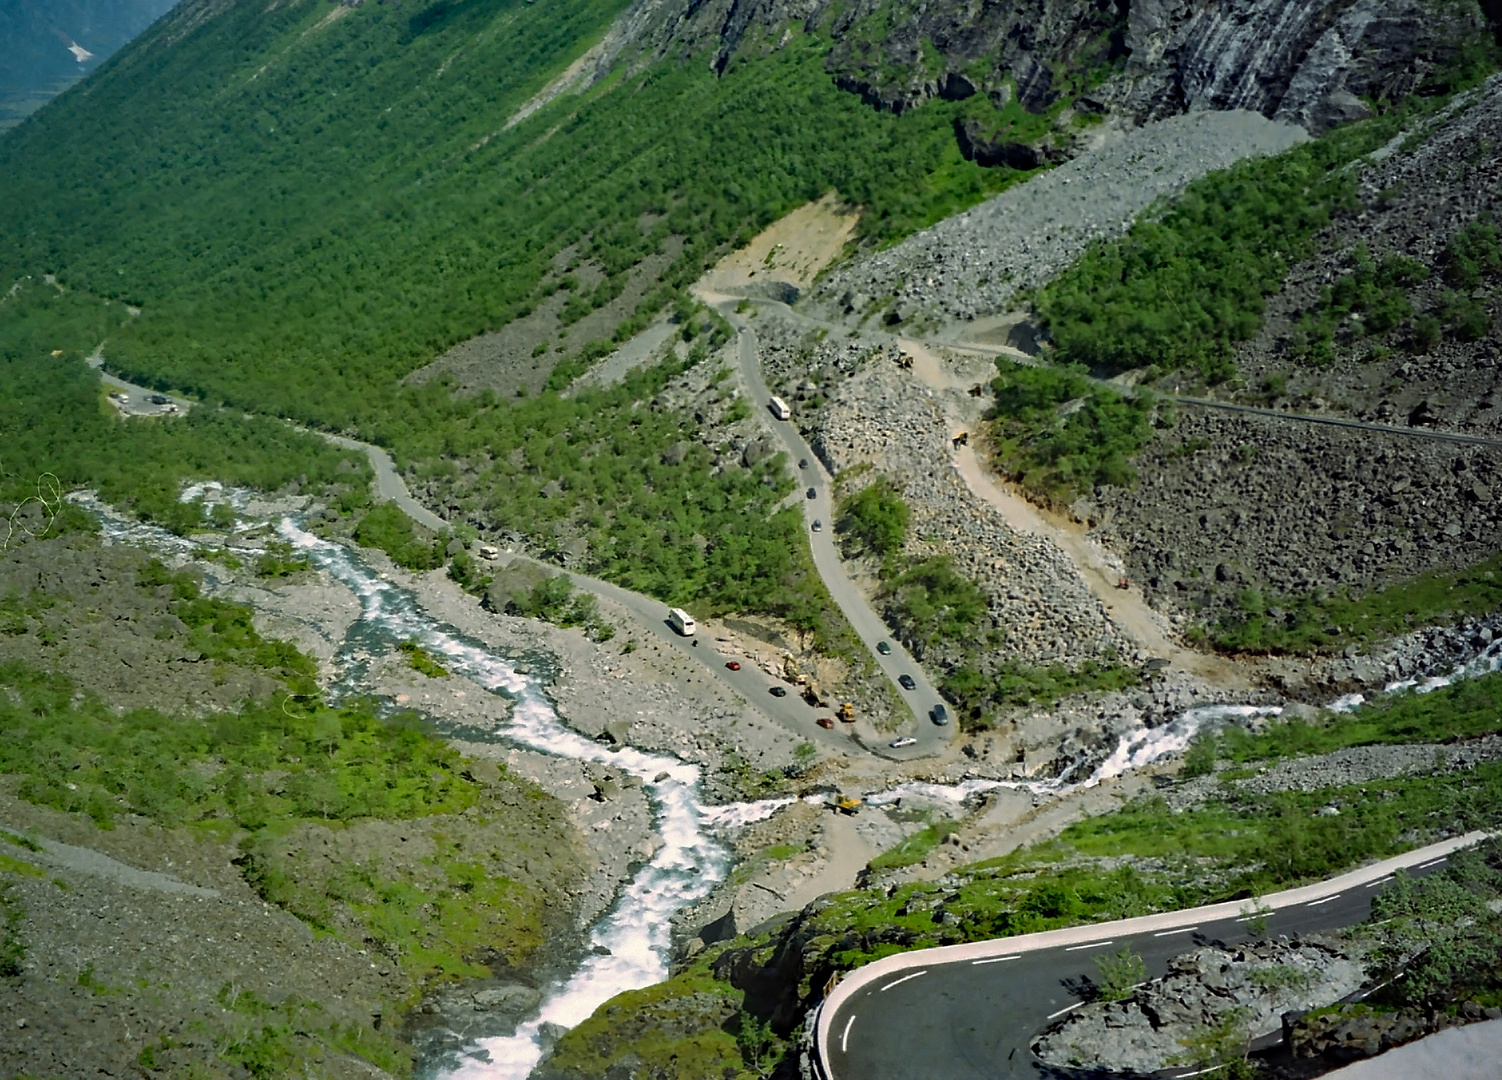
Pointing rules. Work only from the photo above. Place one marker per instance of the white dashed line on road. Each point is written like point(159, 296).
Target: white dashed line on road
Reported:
point(1169, 933)
point(1432, 862)
point(1326, 900)
point(997, 959)
point(1379, 881)
point(846, 1036)
point(1092, 945)
point(905, 978)
point(1065, 1009)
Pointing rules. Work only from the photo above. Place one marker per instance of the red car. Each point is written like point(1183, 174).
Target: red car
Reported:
point(733, 665)
point(825, 722)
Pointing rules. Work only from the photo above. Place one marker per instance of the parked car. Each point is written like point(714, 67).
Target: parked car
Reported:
point(811, 493)
point(157, 399)
point(733, 665)
point(884, 647)
point(906, 682)
point(778, 691)
point(898, 744)
point(825, 722)
point(818, 525)
point(940, 715)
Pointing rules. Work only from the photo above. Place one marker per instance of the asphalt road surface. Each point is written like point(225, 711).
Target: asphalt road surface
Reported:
point(976, 1018)
point(863, 619)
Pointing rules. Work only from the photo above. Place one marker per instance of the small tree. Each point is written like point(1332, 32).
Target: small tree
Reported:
point(1120, 974)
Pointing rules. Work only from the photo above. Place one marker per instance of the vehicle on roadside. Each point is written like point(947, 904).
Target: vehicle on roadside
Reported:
point(778, 691)
point(803, 463)
point(488, 551)
point(825, 722)
point(906, 740)
point(884, 647)
point(733, 665)
point(906, 682)
point(939, 714)
point(157, 399)
point(780, 408)
point(810, 493)
point(682, 622)
point(818, 525)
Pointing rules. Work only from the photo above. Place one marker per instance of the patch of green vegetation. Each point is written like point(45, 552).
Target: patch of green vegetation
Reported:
point(410, 545)
point(55, 427)
point(1437, 935)
point(1316, 623)
point(1472, 253)
point(281, 561)
point(1371, 299)
point(1185, 284)
point(17, 866)
point(873, 520)
point(224, 630)
point(466, 572)
point(16, 840)
point(422, 661)
point(1120, 974)
point(978, 696)
point(267, 765)
point(12, 947)
point(1061, 435)
point(272, 1042)
point(915, 848)
point(935, 602)
point(1463, 710)
point(554, 599)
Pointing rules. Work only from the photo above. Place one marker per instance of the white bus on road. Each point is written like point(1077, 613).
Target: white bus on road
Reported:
point(779, 408)
point(682, 622)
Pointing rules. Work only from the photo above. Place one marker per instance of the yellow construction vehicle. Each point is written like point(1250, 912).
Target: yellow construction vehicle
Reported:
point(845, 804)
point(847, 713)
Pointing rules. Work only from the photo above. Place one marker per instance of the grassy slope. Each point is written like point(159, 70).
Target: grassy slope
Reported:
point(308, 211)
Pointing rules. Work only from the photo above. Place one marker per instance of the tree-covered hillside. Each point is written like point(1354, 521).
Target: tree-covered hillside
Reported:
point(308, 202)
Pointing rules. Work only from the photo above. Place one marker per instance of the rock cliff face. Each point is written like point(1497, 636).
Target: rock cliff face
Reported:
point(1306, 61)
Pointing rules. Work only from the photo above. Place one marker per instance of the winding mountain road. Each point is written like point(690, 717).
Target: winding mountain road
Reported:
point(868, 625)
point(972, 1012)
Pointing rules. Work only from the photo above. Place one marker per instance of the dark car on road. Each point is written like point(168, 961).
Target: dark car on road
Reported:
point(156, 399)
point(884, 647)
point(825, 722)
point(811, 493)
point(940, 715)
point(818, 525)
point(778, 691)
point(906, 682)
point(803, 463)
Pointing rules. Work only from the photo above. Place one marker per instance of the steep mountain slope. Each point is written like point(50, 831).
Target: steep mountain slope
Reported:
point(49, 46)
point(310, 202)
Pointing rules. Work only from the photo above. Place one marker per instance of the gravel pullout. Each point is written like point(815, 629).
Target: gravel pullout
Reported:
point(972, 264)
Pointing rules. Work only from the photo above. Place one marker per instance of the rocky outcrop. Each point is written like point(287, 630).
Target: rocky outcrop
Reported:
point(1250, 987)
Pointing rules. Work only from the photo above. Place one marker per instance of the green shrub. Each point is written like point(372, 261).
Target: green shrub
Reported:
point(874, 519)
point(388, 528)
point(936, 602)
point(1062, 435)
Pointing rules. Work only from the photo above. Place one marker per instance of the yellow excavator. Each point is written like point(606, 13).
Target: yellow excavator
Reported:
point(845, 804)
point(847, 713)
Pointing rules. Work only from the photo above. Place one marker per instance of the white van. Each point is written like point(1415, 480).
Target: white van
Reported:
point(682, 622)
point(779, 408)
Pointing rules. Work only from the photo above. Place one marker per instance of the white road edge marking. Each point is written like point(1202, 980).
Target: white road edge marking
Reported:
point(846, 1036)
point(1432, 862)
point(1326, 900)
point(1091, 945)
point(1065, 1009)
point(1170, 933)
point(1379, 881)
point(1198, 1072)
point(997, 959)
point(905, 978)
